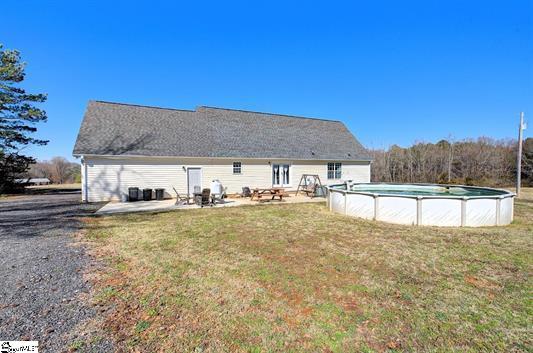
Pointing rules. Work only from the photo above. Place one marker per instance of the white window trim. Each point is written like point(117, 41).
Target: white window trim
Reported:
point(289, 185)
point(334, 170)
point(233, 168)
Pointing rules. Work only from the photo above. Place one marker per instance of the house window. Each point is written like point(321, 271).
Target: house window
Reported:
point(334, 170)
point(237, 168)
point(281, 175)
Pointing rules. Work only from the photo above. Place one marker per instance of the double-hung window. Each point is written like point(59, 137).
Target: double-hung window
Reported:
point(237, 167)
point(334, 170)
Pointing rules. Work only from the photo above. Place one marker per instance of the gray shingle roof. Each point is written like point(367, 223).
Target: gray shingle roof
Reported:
point(124, 129)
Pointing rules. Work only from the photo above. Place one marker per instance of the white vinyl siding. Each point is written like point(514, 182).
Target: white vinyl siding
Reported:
point(109, 178)
point(359, 172)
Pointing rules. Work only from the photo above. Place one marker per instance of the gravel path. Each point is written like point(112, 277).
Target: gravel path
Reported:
point(41, 273)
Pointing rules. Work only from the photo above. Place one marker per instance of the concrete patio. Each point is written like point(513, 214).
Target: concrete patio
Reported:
point(169, 204)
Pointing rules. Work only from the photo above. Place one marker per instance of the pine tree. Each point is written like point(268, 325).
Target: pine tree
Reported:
point(18, 116)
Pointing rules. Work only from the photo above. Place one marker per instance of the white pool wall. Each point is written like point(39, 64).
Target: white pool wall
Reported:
point(444, 211)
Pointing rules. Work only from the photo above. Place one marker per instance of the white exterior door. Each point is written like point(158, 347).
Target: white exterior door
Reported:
point(194, 178)
point(281, 174)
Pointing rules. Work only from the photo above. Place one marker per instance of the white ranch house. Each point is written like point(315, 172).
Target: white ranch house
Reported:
point(123, 145)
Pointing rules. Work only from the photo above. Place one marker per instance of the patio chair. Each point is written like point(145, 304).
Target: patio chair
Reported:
point(206, 198)
point(246, 192)
point(180, 200)
point(219, 198)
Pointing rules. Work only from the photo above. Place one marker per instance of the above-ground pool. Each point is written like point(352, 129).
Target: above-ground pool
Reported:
point(423, 204)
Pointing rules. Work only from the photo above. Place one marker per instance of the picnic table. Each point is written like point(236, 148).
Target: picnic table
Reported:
point(264, 194)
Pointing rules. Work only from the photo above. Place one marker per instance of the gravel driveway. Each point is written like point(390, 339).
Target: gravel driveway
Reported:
point(41, 273)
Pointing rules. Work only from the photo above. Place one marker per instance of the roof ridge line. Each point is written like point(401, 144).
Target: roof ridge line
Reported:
point(218, 108)
point(143, 106)
point(265, 113)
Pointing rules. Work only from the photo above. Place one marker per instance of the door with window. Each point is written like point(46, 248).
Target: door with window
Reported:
point(281, 174)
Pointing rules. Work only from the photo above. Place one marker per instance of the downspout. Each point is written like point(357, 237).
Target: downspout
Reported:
point(85, 193)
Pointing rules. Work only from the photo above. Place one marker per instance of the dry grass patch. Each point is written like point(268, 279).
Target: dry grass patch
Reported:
point(299, 278)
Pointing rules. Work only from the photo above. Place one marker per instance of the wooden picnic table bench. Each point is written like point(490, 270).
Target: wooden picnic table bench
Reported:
point(272, 193)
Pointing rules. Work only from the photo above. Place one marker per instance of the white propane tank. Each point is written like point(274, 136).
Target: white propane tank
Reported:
point(216, 187)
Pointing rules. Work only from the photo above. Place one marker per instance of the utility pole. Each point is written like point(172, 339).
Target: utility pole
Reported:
point(521, 128)
point(450, 159)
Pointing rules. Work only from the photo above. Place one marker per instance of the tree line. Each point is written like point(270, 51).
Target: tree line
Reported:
point(58, 170)
point(482, 161)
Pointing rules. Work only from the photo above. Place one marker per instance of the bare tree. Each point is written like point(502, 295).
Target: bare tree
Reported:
point(60, 167)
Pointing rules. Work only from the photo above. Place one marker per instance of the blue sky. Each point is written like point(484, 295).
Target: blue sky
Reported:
point(395, 72)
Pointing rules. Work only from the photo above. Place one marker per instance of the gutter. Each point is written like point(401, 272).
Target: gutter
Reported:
point(115, 156)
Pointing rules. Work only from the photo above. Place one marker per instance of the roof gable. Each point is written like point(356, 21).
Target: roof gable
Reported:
point(121, 129)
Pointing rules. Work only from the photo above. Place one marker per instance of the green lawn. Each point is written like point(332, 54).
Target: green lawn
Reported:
point(299, 278)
